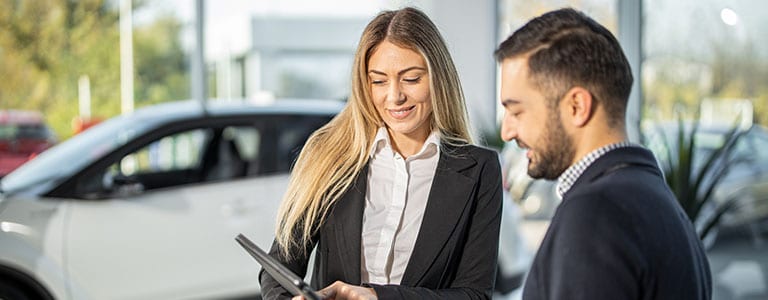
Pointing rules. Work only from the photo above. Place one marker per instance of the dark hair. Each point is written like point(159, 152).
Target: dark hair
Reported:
point(566, 48)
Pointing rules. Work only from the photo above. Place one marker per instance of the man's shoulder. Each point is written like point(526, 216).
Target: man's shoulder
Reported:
point(632, 157)
point(624, 189)
point(620, 171)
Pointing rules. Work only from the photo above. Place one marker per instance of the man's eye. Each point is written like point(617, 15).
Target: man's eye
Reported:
point(514, 113)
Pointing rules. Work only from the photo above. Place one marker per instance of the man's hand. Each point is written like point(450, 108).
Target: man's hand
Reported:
point(343, 291)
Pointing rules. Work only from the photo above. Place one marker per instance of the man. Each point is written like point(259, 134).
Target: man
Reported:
point(619, 233)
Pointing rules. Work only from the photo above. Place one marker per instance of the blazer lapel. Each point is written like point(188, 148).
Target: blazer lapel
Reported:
point(447, 201)
point(348, 226)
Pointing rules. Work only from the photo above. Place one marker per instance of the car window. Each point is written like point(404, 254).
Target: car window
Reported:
point(176, 152)
point(193, 156)
point(164, 162)
point(54, 165)
point(246, 139)
point(292, 133)
point(234, 152)
point(33, 131)
point(7, 132)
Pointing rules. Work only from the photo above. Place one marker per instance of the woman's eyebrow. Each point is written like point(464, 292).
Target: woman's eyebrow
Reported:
point(398, 73)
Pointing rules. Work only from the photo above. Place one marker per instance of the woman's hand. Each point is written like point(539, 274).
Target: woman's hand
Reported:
point(343, 291)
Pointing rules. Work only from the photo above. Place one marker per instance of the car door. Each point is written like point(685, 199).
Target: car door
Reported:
point(166, 229)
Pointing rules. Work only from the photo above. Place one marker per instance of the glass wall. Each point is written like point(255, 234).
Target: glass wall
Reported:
point(514, 13)
point(273, 49)
point(707, 61)
point(536, 198)
point(74, 61)
point(708, 51)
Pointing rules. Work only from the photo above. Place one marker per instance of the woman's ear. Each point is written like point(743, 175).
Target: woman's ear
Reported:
point(577, 106)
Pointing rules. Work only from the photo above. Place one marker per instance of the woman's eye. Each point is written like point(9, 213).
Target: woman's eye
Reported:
point(412, 80)
point(374, 81)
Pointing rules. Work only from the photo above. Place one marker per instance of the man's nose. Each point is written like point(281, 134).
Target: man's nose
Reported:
point(508, 129)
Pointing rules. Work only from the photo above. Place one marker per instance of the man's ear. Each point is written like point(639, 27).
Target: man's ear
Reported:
point(577, 106)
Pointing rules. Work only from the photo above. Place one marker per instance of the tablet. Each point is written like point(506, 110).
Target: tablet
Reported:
point(289, 280)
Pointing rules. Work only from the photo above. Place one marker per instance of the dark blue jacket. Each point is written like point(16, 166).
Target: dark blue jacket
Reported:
point(619, 233)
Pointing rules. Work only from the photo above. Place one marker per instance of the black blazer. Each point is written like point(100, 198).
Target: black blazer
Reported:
point(456, 249)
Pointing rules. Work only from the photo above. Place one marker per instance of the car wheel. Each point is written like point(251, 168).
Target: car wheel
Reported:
point(10, 291)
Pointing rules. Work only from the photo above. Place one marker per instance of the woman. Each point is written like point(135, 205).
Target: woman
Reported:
point(390, 191)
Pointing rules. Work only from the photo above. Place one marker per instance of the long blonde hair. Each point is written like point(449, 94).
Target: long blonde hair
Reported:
point(334, 154)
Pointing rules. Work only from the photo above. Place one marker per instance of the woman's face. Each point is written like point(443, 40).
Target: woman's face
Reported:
point(399, 81)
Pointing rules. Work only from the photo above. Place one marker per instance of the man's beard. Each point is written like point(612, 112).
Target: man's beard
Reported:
point(556, 153)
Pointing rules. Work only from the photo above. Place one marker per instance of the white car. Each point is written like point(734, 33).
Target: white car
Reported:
point(147, 205)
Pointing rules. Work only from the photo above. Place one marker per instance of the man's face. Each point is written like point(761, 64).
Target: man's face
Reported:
point(532, 124)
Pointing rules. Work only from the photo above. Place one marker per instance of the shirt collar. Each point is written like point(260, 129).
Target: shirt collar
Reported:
point(569, 177)
point(381, 141)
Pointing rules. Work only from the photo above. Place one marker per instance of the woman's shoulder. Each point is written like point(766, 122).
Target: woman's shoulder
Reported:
point(477, 152)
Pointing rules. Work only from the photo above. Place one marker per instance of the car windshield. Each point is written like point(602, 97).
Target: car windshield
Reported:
point(32, 131)
point(75, 153)
point(7, 132)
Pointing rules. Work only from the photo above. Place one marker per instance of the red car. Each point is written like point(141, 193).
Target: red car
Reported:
point(23, 135)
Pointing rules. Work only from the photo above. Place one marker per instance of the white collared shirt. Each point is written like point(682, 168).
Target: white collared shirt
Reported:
point(394, 207)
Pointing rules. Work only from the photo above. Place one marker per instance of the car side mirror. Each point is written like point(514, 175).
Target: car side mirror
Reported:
point(122, 185)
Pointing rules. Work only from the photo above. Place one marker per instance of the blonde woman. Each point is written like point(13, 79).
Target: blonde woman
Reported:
point(391, 194)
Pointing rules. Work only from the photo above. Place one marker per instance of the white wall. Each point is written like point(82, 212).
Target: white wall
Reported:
point(469, 28)
point(630, 37)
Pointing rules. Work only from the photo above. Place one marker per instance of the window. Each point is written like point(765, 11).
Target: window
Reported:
point(209, 154)
point(7, 132)
point(176, 152)
point(699, 50)
point(291, 135)
point(513, 14)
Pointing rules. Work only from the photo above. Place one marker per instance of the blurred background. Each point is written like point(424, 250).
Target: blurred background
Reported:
point(68, 65)
point(56, 54)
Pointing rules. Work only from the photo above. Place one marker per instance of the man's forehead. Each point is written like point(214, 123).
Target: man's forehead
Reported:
point(516, 66)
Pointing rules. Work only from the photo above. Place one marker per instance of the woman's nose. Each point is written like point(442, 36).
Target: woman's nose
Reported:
point(396, 94)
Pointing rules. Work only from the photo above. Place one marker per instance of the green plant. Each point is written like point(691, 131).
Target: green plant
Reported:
point(692, 174)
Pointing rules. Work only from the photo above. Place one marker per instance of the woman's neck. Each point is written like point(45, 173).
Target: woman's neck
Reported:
point(407, 144)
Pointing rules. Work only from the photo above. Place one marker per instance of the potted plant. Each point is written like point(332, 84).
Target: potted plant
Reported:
point(692, 174)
